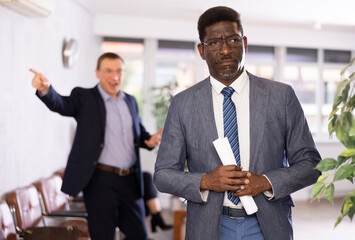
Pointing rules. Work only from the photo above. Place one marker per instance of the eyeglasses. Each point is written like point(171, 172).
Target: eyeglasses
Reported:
point(215, 44)
point(110, 71)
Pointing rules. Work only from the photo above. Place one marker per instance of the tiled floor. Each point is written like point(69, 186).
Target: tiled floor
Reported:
point(312, 221)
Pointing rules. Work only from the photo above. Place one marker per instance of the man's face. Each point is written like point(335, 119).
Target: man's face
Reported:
point(110, 76)
point(227, 63)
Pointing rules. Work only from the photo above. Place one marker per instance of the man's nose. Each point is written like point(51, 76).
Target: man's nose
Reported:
point(225, 49)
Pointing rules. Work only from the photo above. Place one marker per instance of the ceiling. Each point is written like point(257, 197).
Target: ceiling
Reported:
point(310, 13)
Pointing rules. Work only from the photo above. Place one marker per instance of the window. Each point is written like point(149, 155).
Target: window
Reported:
point(260, 61)
point(175, 64)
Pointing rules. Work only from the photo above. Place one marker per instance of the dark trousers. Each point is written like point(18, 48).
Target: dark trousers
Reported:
point(111, 201)
point(150, 191)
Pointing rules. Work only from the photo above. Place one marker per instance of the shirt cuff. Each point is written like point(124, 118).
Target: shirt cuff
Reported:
point(204, 195)
point(269, 193)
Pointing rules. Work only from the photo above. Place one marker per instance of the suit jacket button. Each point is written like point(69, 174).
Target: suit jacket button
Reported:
point(101, 145)
point(94, 162)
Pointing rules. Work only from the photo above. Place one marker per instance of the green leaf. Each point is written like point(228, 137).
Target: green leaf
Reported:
point(350, 178)
point(326, 164)
point(338, 221)
point(337, 101)
point(347, 205)
point(347, 121)
point(351, 211)
point(329, 192)
point(347, 153)
point(317, 189)
point(351, 142)
point(322, 177)
point(340, 161)
point(347, 66)
point(333, 112)
point(345, 92)
point(337, 93)
point(343, 172)
point(341, 135)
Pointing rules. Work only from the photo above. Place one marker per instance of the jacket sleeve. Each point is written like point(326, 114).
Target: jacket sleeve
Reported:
point(300, 152)
point(169, 175)
point(64, 105)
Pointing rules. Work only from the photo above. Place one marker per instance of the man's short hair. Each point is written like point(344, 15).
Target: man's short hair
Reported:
point(217, 14)
point(107, 55)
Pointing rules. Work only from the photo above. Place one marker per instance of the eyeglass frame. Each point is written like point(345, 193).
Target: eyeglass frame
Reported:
point(224, 41)
point(110, 71)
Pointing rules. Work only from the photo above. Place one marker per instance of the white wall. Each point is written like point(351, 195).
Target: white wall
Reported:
point(35, 142)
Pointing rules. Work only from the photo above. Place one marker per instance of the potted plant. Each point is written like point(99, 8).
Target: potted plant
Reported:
point(341, 124)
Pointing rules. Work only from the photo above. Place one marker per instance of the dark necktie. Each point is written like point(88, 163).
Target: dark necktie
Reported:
point(231, 129)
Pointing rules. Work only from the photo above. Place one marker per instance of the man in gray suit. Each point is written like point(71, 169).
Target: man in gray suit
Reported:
point(270, 138)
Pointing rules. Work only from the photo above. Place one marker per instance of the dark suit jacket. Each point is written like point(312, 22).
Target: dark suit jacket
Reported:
point(281, 147)
point(88, 109)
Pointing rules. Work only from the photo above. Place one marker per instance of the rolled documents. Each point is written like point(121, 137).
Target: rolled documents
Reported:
point(226, 155)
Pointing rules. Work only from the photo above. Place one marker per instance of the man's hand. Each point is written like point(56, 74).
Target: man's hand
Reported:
point(154, 140)
point(255, 185)
point(40, 82)
point(223, 178)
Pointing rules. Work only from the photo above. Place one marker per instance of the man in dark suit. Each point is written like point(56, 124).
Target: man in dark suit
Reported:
point(104, 160)
point(266, 128)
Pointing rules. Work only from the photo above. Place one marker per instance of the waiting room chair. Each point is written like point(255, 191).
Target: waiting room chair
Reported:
point(7, 225)
point(55, 204)
point(25, 205)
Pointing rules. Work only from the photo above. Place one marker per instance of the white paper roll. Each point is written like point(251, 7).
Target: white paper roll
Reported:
point(226, 155)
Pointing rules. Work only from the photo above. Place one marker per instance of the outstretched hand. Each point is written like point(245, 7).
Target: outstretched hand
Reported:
point(155, 139)
point(40, 82)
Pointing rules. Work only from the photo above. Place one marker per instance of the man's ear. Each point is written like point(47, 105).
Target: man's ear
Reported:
point(245, 41)
point(200, 48)
point(97, 73)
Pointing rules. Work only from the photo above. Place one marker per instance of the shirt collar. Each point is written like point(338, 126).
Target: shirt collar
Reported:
point(106, 97)
point(237, 85)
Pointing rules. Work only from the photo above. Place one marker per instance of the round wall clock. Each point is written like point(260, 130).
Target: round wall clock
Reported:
point(70, 53)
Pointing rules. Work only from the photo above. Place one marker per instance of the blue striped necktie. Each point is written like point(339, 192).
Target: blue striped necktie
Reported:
point(231, 129)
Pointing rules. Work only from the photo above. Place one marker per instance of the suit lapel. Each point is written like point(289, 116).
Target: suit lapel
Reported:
point(101, 107)
point(204, 105)
point(258, 104)
point(133, 114)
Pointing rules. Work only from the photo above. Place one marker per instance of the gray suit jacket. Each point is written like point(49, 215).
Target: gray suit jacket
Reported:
point(281, 147)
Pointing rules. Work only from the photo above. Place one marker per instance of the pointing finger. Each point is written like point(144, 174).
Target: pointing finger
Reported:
point(33, 71)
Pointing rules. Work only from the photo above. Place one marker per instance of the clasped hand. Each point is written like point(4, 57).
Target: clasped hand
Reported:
point(232, 178)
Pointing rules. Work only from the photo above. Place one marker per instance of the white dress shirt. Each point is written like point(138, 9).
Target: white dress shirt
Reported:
point(240, 98)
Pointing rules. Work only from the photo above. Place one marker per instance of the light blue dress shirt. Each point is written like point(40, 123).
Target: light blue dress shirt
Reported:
point(118, 148)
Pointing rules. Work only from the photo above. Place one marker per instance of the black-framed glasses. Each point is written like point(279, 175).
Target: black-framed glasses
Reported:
point(215, 44)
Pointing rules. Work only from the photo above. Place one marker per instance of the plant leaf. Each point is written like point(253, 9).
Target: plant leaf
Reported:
point(340, 161)
point(329, 192)
point(333, 112)
point(347, 66)
point(351, 211)
point(347, 153)
point(317, 189)
point(337, 97)
point(347, 121)
point(326, 164)
point(343, 172)
point(337, 101)
point(339, 132)
point(345, 92)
